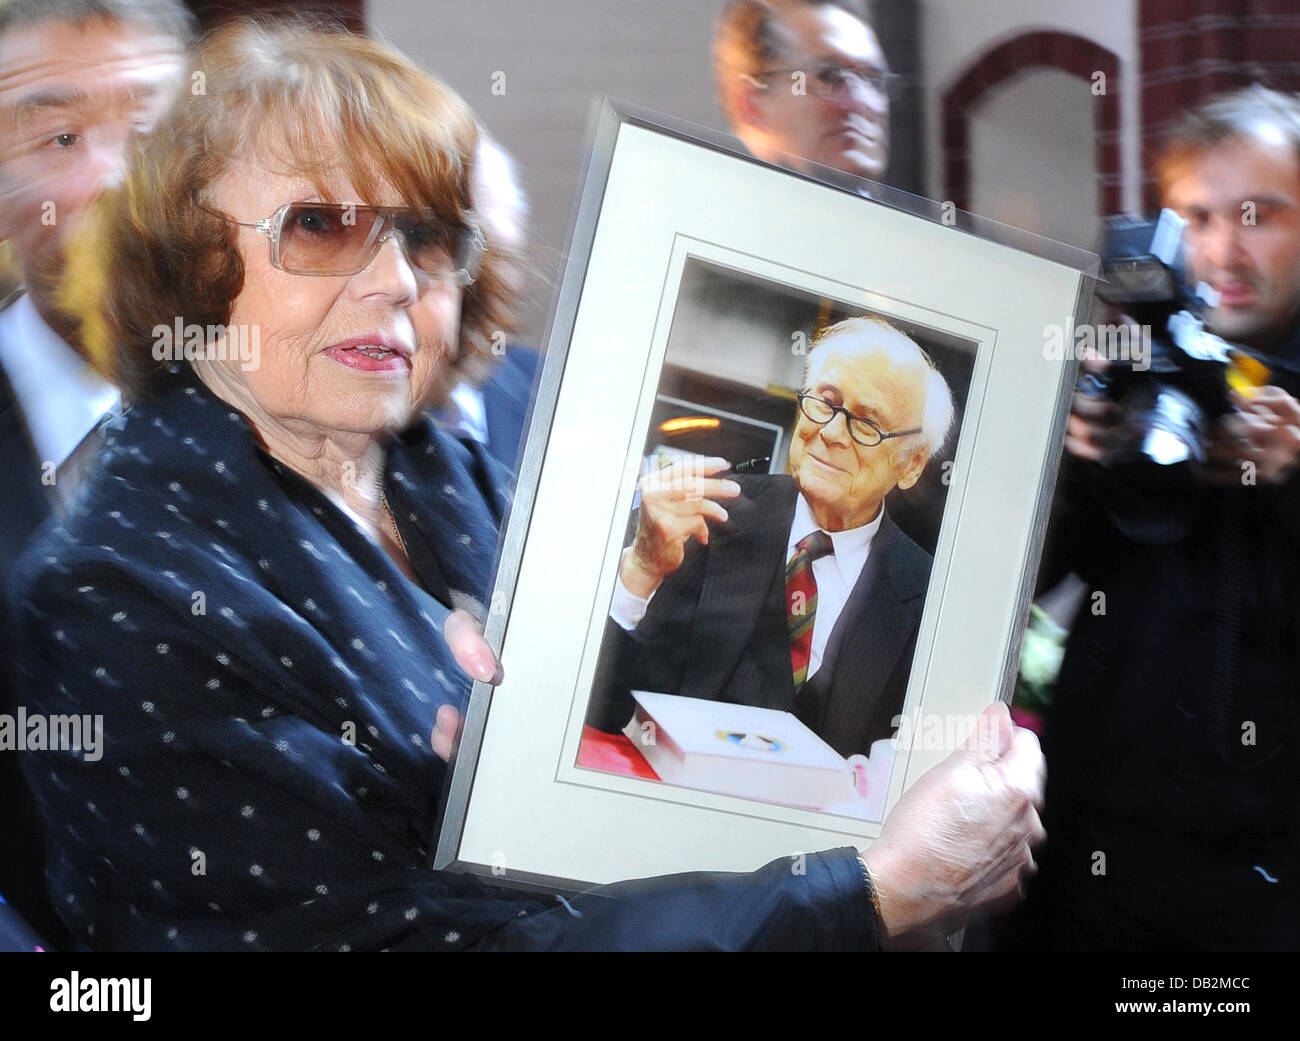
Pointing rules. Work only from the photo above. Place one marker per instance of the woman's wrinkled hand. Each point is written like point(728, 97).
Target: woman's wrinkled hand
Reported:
point(960, 840)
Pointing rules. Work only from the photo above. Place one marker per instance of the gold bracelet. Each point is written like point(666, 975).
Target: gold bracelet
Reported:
point(874, 900)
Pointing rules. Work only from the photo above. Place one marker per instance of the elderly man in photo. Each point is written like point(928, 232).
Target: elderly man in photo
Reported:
point(795, 592)
point(805, 80)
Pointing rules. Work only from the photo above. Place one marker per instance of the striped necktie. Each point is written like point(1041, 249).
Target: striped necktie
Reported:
point(801, 600)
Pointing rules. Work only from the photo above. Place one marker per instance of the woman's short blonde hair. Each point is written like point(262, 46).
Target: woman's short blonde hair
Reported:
point(305, 100)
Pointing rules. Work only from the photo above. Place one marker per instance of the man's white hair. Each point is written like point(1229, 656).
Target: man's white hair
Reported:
point(863, 337)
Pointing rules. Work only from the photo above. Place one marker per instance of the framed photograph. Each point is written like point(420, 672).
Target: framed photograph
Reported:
point(778, 521)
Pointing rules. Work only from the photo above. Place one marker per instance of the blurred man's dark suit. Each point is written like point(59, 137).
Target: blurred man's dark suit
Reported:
point(506, 399)
point(717, 628)
point(1173, 736)
point(24, 506)
point(495, 414)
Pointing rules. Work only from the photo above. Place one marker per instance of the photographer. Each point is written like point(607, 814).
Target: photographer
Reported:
point(1174, 792)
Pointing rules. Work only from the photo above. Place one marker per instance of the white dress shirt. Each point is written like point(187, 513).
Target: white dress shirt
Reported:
point(63, 399)
point(464, 414)
point(835, 574)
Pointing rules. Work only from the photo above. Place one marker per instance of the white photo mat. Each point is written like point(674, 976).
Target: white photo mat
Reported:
point(520, 808)
point(685, 248)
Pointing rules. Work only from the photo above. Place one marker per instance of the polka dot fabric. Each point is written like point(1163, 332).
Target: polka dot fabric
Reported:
point(268, 681)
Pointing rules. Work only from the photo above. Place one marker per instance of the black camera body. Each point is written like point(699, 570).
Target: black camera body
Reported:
point(1170, 391)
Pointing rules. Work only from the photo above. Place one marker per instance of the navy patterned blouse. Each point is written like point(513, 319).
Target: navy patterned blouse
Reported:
point(268, 681)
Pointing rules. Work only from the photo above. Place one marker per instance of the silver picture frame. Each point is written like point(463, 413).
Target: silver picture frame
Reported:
point(658, 195)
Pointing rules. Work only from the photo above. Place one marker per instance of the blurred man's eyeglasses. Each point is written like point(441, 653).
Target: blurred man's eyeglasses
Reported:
point(863, 431)
point(318, 238)
point(835, 81)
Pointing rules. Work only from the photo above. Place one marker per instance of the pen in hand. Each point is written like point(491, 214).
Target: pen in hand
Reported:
point(752, 466)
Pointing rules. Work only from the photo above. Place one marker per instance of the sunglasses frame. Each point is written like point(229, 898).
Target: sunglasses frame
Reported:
point(272, 227)
point(881, 81)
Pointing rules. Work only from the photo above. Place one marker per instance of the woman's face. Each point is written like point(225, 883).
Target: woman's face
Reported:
point(314, 373)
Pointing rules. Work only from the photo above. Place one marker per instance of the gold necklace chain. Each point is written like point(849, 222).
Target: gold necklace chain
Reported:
point(392, 523)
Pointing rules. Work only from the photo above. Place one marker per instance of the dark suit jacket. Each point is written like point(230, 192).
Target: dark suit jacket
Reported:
point(25, 503)
point(717, 628)
point(506, 397)
point(24, 506)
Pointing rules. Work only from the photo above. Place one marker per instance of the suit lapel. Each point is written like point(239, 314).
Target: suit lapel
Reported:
point(25, 503)
point(744, 555)
point(874, 627)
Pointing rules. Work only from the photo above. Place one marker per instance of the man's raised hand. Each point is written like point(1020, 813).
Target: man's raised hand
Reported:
point(677, 500)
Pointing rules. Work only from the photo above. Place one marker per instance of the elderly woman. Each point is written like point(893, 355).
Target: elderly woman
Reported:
point(252, 590)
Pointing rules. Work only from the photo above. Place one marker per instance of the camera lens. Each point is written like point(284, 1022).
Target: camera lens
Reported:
point(1156, 462)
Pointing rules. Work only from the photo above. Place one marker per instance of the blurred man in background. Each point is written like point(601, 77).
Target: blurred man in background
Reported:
point(492, 414)
point(805, 80)
point(77, 79)
point(1173, 803)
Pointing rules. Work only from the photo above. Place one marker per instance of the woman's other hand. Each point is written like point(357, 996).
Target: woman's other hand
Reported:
point(464, 636)
point(445, 732)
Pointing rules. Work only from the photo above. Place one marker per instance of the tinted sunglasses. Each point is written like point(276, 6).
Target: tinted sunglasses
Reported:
point(322, 238)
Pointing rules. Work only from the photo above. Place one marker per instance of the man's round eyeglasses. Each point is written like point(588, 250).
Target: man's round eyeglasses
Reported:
point(317, 238)
point(863, 431)
point(835, 81)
